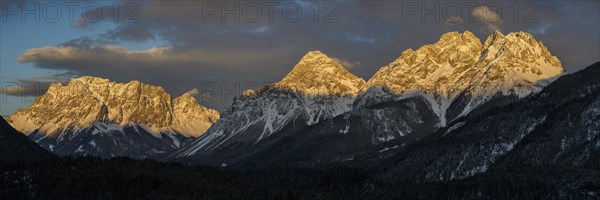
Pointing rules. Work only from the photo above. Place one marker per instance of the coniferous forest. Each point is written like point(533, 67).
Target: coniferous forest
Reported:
point(124, 178)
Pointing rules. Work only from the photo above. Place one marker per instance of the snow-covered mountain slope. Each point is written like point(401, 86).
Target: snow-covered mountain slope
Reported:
point(358, 138)
point(107, 139)
point(317, 88)
point(559, 126)
point(459, 67)
point(411, 98)
point(76, 108)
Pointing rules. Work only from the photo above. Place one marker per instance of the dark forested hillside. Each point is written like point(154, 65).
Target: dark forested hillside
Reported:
point(15, 146)
point(122, 178)
point(559, 127)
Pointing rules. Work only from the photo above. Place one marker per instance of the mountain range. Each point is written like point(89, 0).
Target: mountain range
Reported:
point(419, 93)
point(94, 116)
point(557, 127)
point(447, 110)
point(543, 146)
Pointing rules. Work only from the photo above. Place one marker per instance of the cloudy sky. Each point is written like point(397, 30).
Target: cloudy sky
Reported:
point(215, 49)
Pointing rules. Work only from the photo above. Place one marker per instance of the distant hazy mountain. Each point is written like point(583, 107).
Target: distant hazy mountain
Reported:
point(414, 96)
point(94, 116)
point(15, 146)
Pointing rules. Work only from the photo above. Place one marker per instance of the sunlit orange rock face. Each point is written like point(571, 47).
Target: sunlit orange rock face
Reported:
point(459, 61)
point(86, 100)
point(459, 64)
point(316, 74)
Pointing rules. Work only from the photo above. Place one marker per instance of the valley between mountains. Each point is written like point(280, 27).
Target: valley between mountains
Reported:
point(458, 109)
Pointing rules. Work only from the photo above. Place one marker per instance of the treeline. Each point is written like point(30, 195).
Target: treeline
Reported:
point(123, 178)
point(543, 182)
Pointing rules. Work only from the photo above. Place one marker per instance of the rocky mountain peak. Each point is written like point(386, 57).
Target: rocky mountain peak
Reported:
point(190, 117)
point(443, 68)
point(318, 74)
point(317, 88)
point(428, 68)
point(460, 65)
point(451, 37)
point(185, 98)
point(314, 57)
point(86, 100)
point(187, 105)
point(90, 80)
point(521, 56)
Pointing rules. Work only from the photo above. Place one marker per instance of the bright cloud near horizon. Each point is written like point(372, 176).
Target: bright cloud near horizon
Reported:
point(194, 47)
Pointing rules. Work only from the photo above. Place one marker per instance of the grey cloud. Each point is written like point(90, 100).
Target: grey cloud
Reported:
point(202, 97)
point(88, 42)
point(135, 33)
point(491, 19)
point(194, 92)
point(347, 63)
point(368, 33)
point(210, 70)
point(34, 86)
